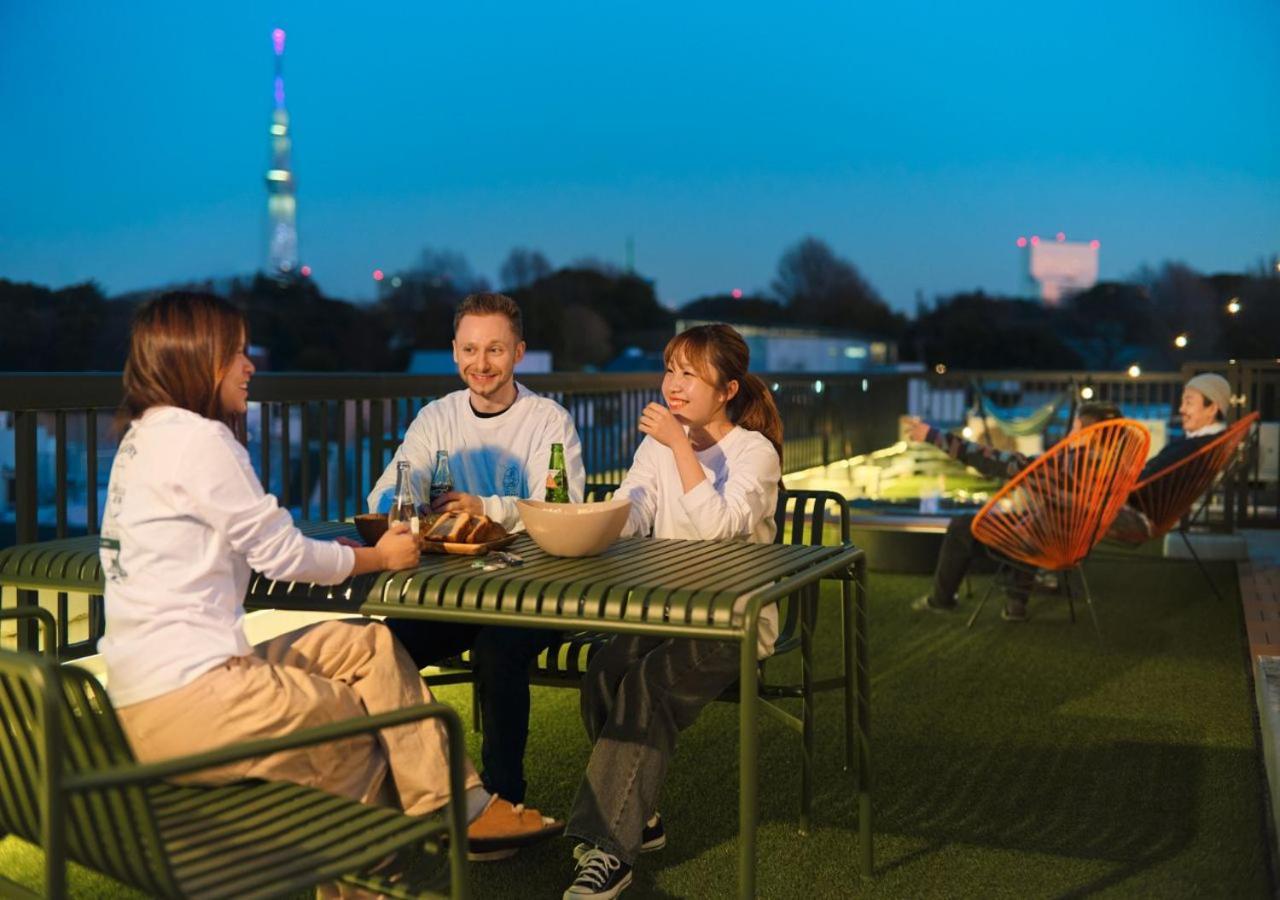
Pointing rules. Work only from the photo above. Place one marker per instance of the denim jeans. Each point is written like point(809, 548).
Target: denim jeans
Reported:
point(501, 658)
point(959, 549)
point(637, 695)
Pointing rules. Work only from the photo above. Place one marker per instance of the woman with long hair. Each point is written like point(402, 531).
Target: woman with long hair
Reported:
point(186, 520)
point(708, 468)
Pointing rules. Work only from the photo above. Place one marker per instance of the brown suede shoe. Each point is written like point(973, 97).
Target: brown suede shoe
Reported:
point(503, 828)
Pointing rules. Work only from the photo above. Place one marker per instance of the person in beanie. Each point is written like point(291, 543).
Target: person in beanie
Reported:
point(1205, 400)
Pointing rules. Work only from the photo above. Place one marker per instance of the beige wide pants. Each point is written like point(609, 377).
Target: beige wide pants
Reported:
point(323, 673)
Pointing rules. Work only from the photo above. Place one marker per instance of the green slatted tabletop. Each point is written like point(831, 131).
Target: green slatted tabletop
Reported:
point(704, 589)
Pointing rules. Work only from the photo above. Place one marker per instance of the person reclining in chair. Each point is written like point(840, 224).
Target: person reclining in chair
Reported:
point(959, 547)
point(1205, 400)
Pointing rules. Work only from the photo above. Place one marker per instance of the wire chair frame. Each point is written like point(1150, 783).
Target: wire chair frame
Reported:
point(1168, 495)
point(1052, 513)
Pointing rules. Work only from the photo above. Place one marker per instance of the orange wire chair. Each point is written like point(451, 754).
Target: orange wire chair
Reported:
point(1052, 513)
point(1166, 498)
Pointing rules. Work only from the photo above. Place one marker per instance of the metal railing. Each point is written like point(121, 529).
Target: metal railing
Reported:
point(319, 442)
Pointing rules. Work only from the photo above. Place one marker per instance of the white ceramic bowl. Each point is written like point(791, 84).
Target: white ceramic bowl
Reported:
point(574, 529)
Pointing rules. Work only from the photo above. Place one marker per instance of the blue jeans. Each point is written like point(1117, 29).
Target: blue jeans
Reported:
point(637, 695)
point(501, 659)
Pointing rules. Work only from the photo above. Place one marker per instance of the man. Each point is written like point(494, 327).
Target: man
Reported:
point(1203, 411)
point(498, 435)
point(1205, 399)
point(959, 547)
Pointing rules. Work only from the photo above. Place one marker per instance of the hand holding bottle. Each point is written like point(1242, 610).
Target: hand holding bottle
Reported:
point(398, 548)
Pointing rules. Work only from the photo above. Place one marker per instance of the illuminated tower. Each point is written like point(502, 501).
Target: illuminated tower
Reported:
point(282, 204)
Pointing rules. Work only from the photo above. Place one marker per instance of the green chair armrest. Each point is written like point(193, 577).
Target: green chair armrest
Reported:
point(118, 776)
point(45, 620)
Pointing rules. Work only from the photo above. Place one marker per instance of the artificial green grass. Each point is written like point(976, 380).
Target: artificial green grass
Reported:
point(1009, 760)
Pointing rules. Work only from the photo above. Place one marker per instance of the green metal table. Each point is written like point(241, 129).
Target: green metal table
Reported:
point(696, 589)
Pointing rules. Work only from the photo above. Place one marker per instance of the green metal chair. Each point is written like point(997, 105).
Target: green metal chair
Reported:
point(69, 783)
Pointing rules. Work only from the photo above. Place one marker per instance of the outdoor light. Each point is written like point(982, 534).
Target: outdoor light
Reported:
point(1180, 341)
point(396, 282)
point(774, 387)
point(818, 386)
point(736, 293)
point(1022, 242)
point(1086, 393)
point(306, 271)
point(1135, 370)
point(1233, 305)
point(1060, 236)
point(865, 386)
point(940, 369)
point(1095, 243)
point(967, 433)
point(377, 274)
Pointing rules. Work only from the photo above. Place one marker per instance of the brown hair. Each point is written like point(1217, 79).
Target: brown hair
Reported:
point(180, 347)
point(1097, 411)
point(490, 304)
point(719, 355)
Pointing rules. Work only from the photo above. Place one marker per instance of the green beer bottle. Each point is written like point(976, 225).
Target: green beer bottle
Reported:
point(557, 478)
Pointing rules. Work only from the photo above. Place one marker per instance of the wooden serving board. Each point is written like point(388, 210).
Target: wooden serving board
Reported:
point(466, 549)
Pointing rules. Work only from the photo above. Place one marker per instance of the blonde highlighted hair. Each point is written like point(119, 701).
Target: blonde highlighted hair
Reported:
point(719, 355)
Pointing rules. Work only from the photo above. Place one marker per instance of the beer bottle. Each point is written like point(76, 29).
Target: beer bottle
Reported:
point(557, 478)
point(404, 506)
point(441, 478)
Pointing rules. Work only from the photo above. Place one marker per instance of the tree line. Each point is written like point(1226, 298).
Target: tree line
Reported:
point(589, 312)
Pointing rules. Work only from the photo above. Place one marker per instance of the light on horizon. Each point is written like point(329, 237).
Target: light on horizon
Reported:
point(1086, 393)
point(1061, 236)
point(377, 275)
point(1035, 240)
point(277, 40)
point(1233, 305)
point(306, 271)
point(1095, 243)
point(1135, 370)
point(1180, 341)
point(736, 293)
point(1022, 242)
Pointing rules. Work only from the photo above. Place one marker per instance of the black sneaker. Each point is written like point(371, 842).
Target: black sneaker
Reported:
point(654, 837)
point(599, 876)
point(921, 604)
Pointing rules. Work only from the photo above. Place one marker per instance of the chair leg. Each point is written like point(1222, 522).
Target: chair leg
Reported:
point(1071, 595)
point(848, 617)
point(477, 725)
point(983, 602)
point(1200, 564)
point(1088, 601)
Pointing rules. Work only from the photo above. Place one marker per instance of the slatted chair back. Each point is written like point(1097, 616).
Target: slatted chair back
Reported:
point(802, 517)
point(1168, 495)
point(1052, 513)
point(111, 830)
point(598, 493)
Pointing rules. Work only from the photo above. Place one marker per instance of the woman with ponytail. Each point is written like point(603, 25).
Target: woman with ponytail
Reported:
point(708, 468)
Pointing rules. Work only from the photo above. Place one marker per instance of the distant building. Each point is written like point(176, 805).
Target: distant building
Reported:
point(440, 362)
point(1059, 268)
point(781, 348)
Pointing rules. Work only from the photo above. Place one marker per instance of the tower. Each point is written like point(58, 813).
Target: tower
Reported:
point(282, 204)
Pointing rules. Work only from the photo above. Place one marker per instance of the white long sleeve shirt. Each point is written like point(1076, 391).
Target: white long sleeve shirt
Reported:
point(498, 458)
point(186, 520)
point(735, 502)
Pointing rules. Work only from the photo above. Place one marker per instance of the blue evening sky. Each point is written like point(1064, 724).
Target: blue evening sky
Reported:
point(920, 140)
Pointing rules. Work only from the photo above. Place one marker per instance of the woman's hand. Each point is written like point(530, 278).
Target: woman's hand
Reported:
point(917, 430)
point(398, 548)
point(658, 422)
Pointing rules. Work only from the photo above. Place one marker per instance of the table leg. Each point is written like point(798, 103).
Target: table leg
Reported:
point(864, 720)
point(808, 600)
point(847, 614)
point(748, 739)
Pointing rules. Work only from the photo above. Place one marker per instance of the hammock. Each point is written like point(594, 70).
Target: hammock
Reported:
point(1023, 426)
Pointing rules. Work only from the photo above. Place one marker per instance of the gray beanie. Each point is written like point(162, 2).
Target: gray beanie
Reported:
point(1215, 389)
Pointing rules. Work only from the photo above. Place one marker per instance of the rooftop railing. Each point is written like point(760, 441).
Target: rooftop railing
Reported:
point(320, 441)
